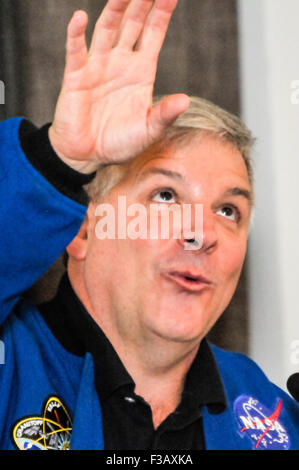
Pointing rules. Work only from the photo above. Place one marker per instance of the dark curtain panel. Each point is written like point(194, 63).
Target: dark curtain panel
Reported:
point(200, 57)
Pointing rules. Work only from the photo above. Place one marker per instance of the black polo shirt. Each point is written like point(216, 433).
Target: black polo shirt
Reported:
point(127, 418)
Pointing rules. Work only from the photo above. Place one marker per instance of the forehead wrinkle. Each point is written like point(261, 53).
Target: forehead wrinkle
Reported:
point(162, 171)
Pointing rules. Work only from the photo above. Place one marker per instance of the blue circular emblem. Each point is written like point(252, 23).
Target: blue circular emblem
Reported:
point(260, 424)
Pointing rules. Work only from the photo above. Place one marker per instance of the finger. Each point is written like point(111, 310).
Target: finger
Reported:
point(166, 112)
point(107, 27)
point(76, 49)
point(156, 27)
point(133, 22)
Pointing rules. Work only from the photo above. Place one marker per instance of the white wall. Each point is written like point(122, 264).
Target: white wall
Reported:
point(269, 53)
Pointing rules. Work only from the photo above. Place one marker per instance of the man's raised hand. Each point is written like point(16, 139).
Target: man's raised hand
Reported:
point(104, 113)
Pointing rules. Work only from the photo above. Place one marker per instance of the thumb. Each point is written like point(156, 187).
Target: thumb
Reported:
point(166, 112)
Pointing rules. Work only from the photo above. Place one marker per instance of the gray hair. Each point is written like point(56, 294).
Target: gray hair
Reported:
point(201, 118)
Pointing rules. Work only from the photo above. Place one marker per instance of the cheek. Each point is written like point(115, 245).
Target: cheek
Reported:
point(232, 260)
point(107, 260)
point(124, 260)
point(146, 253)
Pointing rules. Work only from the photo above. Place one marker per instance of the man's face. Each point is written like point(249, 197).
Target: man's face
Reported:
point(143, 284)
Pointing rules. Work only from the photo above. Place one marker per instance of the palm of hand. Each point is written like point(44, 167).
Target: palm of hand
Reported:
point(104, 113)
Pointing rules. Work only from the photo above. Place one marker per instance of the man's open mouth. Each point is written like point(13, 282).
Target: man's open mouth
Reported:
point(188, 280)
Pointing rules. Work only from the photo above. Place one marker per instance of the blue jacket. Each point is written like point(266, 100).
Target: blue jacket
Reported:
point(48, 397)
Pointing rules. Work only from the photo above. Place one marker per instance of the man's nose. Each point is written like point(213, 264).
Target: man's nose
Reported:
point(210, 234)
point(201, 235)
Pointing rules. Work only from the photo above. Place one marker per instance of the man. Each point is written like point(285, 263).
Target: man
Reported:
point(119, 360)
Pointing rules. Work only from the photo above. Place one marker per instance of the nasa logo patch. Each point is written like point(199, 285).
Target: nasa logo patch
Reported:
point(49, 431)
point(260, 424)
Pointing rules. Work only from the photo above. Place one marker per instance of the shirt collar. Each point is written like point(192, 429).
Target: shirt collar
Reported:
point(78, 333)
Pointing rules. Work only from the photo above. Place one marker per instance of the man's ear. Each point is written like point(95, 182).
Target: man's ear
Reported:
point(77, 249)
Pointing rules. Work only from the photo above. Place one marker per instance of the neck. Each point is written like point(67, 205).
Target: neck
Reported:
point(159, 370)
point(157, 365)
point(160, 380)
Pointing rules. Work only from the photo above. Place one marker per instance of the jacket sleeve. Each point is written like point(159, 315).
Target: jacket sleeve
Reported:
point(37, 221)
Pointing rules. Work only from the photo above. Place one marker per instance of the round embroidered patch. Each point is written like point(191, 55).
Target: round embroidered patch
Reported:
point(260, 424)
point(49, 431)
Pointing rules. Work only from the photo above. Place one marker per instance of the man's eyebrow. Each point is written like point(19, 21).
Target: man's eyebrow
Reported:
point(236, 191)
point(240, 192)
point(162, 171)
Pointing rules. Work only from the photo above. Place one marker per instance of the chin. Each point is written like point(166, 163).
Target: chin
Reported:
point(179, 332)
point(180, 319)
point(178, 337)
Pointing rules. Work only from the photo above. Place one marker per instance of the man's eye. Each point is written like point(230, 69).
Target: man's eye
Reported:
point(229, 212)
point(165, 195)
